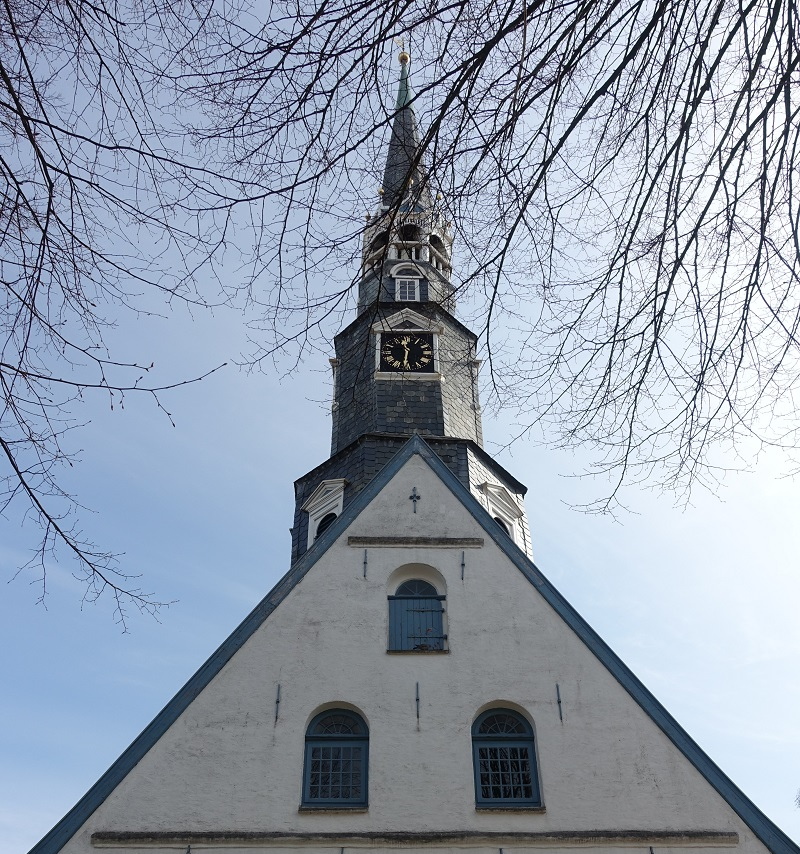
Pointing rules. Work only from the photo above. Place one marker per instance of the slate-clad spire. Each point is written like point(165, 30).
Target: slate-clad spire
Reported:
point(408, 225)
point(403, 159)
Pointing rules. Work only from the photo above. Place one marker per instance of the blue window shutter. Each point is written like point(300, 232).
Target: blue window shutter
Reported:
point(396, 619)
point(415, 623)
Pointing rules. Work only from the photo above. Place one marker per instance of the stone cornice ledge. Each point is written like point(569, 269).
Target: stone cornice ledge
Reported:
point(416, 542)
point(549, 839)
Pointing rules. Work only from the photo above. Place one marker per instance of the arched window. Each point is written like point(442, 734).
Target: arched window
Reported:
point(409, 232)
point(415, 618)
point(438, 245)
point(380, 241)
point(324, 523)
point(504, 758)
point(335, 768)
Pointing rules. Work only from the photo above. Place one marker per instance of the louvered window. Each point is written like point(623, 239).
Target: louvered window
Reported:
point(335, 772)
point(415, 618)
point(504, 757)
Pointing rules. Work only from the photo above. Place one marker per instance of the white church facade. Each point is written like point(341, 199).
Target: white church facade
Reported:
point(413, 683)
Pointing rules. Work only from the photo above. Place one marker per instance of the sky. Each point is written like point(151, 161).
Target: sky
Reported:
point(700, 602)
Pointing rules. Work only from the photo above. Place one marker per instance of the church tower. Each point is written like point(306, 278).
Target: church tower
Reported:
point(405, 365)
point(413, 683)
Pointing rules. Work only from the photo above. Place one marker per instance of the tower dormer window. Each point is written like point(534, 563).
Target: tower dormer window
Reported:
point(407, 279)
point(406, 290)
point(323, 506)
point(504, 509)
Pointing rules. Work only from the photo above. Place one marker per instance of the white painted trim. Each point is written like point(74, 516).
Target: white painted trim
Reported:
point(502, 504)
point(407, 315)
point(420, 324)
point(411, 375)
point(407, 264)
point(328, 497)
point(398, 296)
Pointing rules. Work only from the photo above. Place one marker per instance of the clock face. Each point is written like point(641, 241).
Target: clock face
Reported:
point(407, 351)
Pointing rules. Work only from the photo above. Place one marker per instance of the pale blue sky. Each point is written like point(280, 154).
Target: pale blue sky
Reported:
point(701, 604)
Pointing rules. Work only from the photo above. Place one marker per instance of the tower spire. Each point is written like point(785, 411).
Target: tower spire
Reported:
point(405, 184)
point(407, 243)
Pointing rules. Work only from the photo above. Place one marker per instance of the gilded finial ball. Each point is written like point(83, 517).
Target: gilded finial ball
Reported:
point(404, 57)
point(380, 191)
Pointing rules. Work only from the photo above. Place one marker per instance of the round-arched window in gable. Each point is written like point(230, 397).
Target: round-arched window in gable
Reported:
point(416, 621)
point(335, 767)
point(504, 758)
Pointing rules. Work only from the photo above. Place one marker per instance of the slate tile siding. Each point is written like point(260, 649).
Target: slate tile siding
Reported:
point(433, 288)
point(366, 404)
point(358, 464)
point(483, 469)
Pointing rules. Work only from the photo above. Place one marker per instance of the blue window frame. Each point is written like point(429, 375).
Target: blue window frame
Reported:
point(504, 758)
point(335, 766)
point(415, 618)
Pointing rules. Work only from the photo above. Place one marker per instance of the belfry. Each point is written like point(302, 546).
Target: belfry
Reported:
point(413, 682)
point(405, 366)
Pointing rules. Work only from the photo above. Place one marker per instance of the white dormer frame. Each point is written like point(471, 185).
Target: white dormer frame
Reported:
point(409, 273)
point(327, 498)
point(503, 505)
point(407, 320)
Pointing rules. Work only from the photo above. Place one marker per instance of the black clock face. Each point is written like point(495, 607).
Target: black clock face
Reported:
point(407, 351)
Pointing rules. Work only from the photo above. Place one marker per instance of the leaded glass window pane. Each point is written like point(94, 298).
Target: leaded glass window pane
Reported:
point(335, 773)
point(336, 760)
point(502, 724)
point(337, 724)
point(416, 587)
point(505, 773)
point(505, 760)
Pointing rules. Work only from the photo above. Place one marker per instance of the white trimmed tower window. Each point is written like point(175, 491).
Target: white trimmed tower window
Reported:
point(407, 279)
point(406, 290)
point(323, 506)
point(503, 508)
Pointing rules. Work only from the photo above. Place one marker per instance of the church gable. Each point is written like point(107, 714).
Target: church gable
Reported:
point(413, 682)
point(229, 758)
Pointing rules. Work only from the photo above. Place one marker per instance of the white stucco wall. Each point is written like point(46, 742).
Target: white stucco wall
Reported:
point(225, 765)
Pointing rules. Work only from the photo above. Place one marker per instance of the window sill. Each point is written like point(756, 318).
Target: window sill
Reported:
point(509, 808)
point(417, 651)
point(337, 808)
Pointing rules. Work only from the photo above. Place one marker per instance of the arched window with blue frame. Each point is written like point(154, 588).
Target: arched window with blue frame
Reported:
point(416, 621)
point(335, 767)
point(504, 757)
